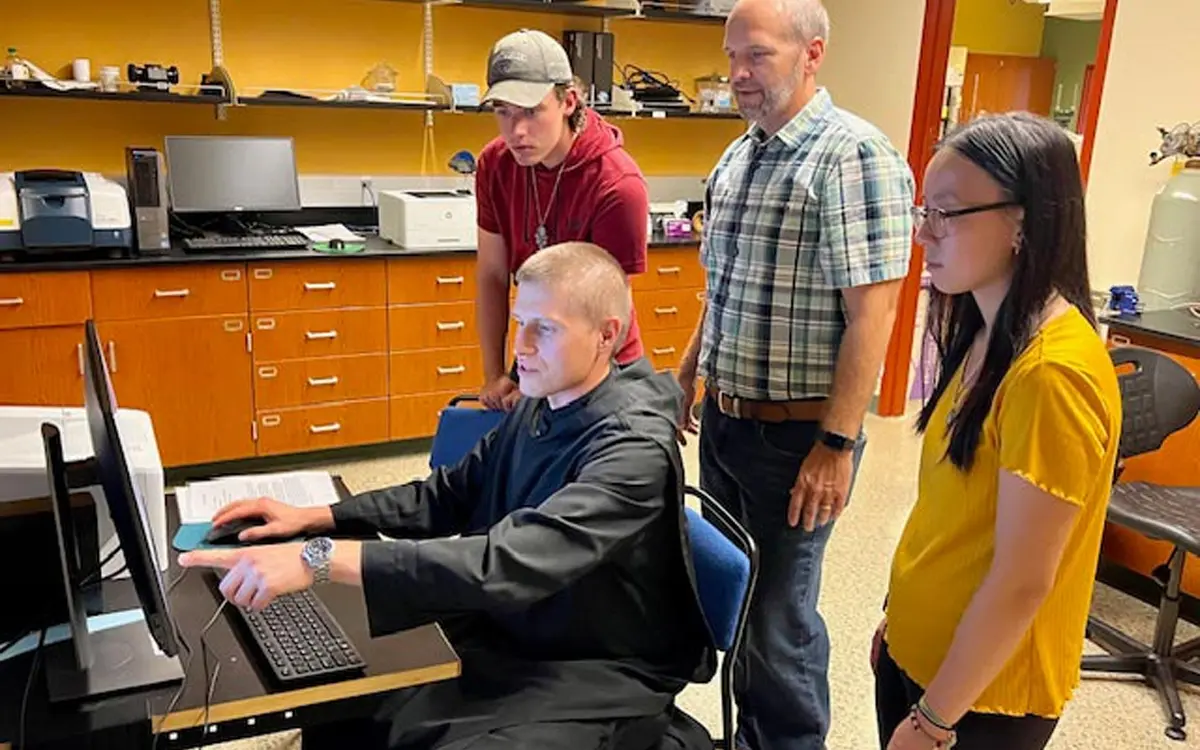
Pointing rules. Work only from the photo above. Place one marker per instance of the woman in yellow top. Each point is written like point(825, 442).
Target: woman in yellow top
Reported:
point(992, 579)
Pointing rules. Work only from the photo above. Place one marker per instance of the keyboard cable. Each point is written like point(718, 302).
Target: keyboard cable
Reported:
point(33, 669)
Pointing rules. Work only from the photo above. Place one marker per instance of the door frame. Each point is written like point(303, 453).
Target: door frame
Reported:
point(927, 111)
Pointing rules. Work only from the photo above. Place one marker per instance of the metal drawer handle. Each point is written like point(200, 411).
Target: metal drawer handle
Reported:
point(669, 269)
point(271, 420)
point(1118, 340)
point(263, 273)
point(456, 370)
point(160, 293)
point(314, 335)
point(666, 310)
point(457, 325)
point(317, 429)
point(265, 324)
point(231, 275)
point(268, 372)
point(450, 279)
point(79, 355)
point(664, 350)
point(319, 286)
point(332, 380)
point(112, 356)
point(12, 301)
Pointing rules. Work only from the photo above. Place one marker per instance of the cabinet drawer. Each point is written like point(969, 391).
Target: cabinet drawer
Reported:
point(164, 292)
point(417, 416)
point(44, 299)
point(307, 285)
point(436, 278)
point(459, 370)
point(667, 308)
point(44, 367)
point(319, 333)
point(314, 428)
point(677, 268)
point(665, 348)
point(316, 381)
point(412, 327)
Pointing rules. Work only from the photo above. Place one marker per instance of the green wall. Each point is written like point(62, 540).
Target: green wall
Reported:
point(1073, 44)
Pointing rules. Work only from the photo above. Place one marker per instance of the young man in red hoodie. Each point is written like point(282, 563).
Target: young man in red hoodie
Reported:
point(557, 172)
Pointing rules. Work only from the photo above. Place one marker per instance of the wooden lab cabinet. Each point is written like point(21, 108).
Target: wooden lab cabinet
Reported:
point(234, 360)
point(193, 377)
point(1007, 83)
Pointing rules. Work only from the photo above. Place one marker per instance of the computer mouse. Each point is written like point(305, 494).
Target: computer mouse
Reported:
point(227, 533)
point(336, 244)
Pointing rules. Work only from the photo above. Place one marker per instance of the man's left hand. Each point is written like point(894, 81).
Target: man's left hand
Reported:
point(821, 488)
point(255, 575)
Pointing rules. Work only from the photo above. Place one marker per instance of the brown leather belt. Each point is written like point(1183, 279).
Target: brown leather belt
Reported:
point(807, 410)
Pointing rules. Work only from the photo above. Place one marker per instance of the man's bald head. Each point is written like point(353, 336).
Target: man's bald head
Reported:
point(805, 20)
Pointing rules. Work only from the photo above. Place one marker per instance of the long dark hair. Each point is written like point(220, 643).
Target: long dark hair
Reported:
point(1034, 162)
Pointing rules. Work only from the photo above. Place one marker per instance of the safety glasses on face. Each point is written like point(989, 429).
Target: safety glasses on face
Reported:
point(937, 220)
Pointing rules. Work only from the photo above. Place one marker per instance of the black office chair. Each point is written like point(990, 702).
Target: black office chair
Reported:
point(1159, 397)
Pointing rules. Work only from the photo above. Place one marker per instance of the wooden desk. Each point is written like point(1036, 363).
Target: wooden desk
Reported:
point(244, 702)
point(1177, 463)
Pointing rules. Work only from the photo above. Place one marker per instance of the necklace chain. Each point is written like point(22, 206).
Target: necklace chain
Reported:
point(540, 235)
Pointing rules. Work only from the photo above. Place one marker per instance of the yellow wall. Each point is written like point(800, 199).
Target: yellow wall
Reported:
point(999, 27)
point(315, 44)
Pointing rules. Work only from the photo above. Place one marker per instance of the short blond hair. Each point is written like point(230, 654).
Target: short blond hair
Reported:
point(590, 277)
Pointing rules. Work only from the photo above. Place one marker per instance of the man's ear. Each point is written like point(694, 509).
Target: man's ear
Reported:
point(814, 56)
point(610, 329)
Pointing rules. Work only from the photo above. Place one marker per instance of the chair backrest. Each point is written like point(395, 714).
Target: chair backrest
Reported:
point(1158, 398)
point(725, 570)
point(459, 429)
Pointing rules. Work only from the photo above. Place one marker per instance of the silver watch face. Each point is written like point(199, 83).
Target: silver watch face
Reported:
point(317, 552)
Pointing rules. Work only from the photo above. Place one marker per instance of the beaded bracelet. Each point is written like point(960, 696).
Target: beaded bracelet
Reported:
point(938, 744)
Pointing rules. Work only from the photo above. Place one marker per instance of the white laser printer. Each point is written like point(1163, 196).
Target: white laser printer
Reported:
point(23, 466)
point(428, 219)
point(55, 210)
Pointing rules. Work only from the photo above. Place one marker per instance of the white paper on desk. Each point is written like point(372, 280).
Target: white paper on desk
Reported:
point(199, 501)
point(327, 232)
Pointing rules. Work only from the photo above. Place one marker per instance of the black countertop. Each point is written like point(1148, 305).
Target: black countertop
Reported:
point(1177, 325)
point(375, 248)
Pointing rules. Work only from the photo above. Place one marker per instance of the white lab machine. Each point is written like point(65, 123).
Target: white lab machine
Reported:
point(428, 219)
point(23, 466)
point(62, 210)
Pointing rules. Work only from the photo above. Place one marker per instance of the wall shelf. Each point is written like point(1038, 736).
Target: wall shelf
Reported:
point(162, 97)
point(614, 9)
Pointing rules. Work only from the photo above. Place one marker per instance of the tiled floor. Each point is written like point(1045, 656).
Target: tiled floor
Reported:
point(1107, 714)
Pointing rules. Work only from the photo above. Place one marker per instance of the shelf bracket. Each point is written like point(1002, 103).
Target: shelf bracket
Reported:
point(218, 51)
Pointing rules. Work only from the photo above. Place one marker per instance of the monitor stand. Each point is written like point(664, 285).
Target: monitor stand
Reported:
point(91, 666)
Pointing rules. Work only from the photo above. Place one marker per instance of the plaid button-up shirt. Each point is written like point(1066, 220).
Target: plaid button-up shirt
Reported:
point(790, 220)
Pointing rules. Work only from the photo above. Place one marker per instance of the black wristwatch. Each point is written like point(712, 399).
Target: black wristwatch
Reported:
point(834, 441)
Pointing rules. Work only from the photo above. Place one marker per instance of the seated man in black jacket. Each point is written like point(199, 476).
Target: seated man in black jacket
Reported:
point(569, 593)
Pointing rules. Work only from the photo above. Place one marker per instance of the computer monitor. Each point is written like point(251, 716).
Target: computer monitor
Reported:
point(122, 658)
point(224, 174)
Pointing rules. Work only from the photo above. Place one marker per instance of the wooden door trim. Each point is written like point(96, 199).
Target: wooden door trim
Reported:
point(1096, 93)
point(927, 113)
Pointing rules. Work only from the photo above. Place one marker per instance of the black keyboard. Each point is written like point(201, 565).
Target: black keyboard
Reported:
point(247, 242)
point(299, 641)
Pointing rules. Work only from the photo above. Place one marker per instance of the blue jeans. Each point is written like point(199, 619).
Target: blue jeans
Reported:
point(781, 681)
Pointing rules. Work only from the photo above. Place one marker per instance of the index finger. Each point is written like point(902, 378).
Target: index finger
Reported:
point(238, 509)
point(210, 558)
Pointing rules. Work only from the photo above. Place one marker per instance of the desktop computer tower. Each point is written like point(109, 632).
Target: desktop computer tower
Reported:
point(148, 199)
point(603, 62)
point(580, 46)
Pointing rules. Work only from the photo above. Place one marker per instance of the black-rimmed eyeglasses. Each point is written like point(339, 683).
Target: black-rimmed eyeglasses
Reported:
point(937, 220)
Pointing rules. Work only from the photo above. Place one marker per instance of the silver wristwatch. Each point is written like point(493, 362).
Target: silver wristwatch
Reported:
point(317, 554)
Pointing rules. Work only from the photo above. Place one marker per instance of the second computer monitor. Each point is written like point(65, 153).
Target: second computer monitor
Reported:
point(223, 174)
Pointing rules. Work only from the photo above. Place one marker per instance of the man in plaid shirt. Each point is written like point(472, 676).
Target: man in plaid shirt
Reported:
point(807, 238)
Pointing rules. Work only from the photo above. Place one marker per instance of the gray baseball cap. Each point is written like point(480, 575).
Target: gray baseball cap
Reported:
point(525, 66)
